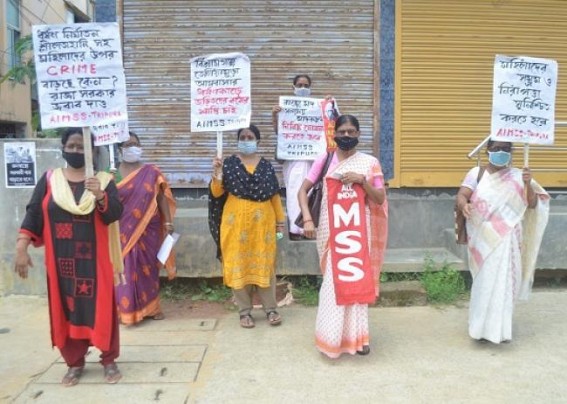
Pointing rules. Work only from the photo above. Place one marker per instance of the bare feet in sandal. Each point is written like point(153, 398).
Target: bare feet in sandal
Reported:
point(247, 321)
point(159, 316)
point(274, 317)
point(112, 374)
point(72, 376)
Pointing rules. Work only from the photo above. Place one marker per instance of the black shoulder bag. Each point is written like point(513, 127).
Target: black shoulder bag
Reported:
point(316, 196)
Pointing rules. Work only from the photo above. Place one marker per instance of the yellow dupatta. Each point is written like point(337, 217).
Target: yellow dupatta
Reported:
point(63, 197)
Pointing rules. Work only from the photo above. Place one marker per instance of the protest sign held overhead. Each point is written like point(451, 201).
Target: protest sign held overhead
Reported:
point(79, 74)
point(220, 92)
point(305, 127)
point(523, 105)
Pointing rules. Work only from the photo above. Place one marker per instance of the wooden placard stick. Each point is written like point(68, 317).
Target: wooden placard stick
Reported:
point(526, 165)
point(87, 145)
point(219, 149)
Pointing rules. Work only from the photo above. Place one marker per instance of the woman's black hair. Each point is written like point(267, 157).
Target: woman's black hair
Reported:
point(132, 134)
point(296, 78)
point(67, 133)
point(254, 130)
point(347, 119)
point(491, 142)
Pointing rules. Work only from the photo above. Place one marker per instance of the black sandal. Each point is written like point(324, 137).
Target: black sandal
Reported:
point(365, 350)
point(274, 317)
point(247, 321)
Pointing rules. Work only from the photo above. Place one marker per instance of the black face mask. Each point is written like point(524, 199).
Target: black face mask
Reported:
point(75, 160)
point(346, 143)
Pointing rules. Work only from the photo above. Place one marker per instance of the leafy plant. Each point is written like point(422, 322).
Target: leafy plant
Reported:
point(306, 290)
point(212, 293)
point(25, 70)
point(444, 284)
point(399, 276)
point(175, 291)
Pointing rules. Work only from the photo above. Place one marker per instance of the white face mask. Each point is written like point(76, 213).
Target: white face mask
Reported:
point(302, 91)
point(132, 154)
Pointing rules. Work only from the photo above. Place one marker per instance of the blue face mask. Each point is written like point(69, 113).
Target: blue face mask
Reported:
point(499, 158)
point(247, 146)
point(302, 91)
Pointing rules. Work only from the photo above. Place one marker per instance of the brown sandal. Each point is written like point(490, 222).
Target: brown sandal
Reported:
point(247, 321)
point(274, 317)
point(112, 374)
point(72, 376)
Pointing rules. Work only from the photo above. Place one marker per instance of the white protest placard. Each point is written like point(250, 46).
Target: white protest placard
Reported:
point(301, 129)
point(523, 104)
point(220, 92)
point(20, 164)
point(80, 77)
point(110, 133)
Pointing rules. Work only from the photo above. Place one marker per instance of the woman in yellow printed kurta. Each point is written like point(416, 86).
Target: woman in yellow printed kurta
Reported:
point(245, 214)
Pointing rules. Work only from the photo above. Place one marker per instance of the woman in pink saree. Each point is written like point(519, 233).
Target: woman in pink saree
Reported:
point(506, 212)
point(351, 240)
point(149, 208)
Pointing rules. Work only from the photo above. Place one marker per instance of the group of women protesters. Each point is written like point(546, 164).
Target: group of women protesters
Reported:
point(100, 274)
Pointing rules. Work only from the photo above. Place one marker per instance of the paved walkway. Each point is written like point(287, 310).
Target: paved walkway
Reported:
point(419, 355)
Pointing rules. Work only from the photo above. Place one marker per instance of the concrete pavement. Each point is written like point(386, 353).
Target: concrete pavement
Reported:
point(419, 355)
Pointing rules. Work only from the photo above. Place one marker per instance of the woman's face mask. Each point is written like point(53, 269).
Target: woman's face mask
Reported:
point(302, 91)
point(75, 160)
point(132, 154)
point(247, 146)
point(499, 158)
point(346, 143)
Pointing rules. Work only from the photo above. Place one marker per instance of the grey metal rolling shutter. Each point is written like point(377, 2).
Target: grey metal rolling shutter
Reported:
point(332, 41)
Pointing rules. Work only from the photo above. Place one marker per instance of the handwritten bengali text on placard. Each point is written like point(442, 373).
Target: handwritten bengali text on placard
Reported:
point(220, 92)
point(110, 133)
point(80, 76)
point(301, 130)
point(523, 108)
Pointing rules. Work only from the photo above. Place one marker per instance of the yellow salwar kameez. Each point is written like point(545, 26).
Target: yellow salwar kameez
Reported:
point(248, 237)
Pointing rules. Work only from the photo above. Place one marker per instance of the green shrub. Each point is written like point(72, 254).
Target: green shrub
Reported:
point(212, 293)
point(399, 276)
point(194, 289)
point(175, 290)
point(443, 285)
point(306, 290)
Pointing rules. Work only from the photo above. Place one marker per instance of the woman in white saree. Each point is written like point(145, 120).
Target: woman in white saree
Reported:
point(506, 212)
point(351, 247)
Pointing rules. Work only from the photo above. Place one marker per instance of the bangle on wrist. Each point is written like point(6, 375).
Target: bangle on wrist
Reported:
point(308, 220)
point(168, 224)
point(101, 199)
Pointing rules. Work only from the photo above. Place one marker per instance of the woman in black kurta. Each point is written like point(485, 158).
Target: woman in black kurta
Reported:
point(73, 217)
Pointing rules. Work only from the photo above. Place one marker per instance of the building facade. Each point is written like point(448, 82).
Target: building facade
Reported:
point(418, 74)
point(18, 102)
